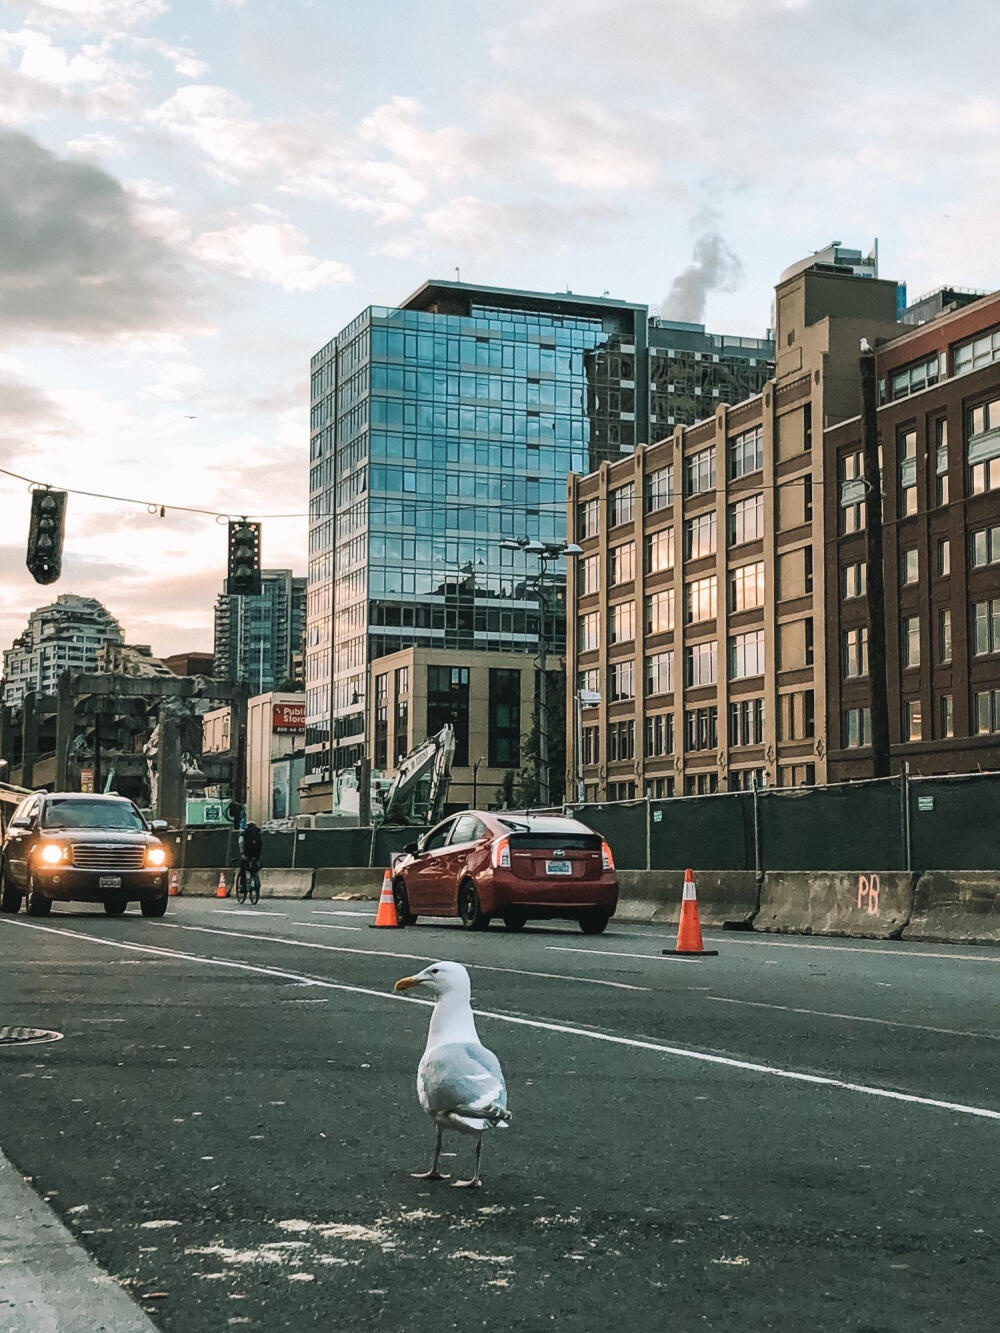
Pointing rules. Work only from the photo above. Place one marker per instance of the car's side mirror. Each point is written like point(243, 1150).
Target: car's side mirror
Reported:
point(411, 847)
point(158, 825)
point(19, 823)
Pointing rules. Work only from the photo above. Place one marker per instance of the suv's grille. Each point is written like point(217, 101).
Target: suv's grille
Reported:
point(95, 856)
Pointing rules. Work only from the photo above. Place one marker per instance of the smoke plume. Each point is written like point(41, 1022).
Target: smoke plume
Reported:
point(714, 267)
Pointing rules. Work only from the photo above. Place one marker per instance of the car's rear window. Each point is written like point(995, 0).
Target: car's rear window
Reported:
point(567, 841)
point(69, 813)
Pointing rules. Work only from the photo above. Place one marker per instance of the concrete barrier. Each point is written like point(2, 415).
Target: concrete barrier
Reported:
point(348, 882)
point(203, 883)
point(724, 896)
point(956, 907)
point(274, 882)
point(869, 904)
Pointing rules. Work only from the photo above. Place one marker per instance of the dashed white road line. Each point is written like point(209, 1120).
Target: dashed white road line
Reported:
point(323, 925)
point(564, 1029)
point(614, 953)
point(245, 911)
point(369, 915)
point(854, 1018)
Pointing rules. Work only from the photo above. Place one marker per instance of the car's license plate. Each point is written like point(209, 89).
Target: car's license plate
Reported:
point(110, 882)
point(558, 868)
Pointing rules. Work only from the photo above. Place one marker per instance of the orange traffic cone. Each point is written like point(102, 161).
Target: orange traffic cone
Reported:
point(689, 943)
point(175, 887)
point(222, 891)
point(386, 914)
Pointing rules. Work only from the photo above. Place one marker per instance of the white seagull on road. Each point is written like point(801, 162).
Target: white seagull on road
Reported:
point(459, 1082)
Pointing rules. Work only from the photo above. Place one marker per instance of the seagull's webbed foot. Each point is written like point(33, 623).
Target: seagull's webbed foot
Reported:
point(475, 1183)
point(432, 1174)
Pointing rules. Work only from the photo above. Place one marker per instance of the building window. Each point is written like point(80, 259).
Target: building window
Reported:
point(659, 735)
point(621, 505)
point(796, 775)
point(746, 587)
point(855, 652)
point(700, 599)
point(911, 379)
point(381, 755)
point(701, 728)
point(906, 446)
point(946, 716)
point(911, 720)
point(699, 472)
point(660, 673)
point(853, 581)
point(746, 520)
point(701, 784)
point(505, 718)
point(622, 561)
point(852, 492)
point(621, 622)
point(659, 489)
point(660, 611)
point(909, 565)
point(984, 546)
point(747, 779)
point(402, 738)
point(700, 536)
point(701, 663)
point(984, 447)
point(746, 453)
point(944, 634)
point(986, 627)
point(986, 709)
point(746, 654)
point(590, 679)
point(660, 551)
point(588, 632)
point(796, 715)
point(621, 680)
point(659, 788)
point(621, 740)
point(621, 791)
point(448, 702)
point(943, 557)
point(591, 751)
point(746, 722)
point(941, 460)
point(587, 575)
point(910, 632)
point(588, 519)
point(977, 352)
point(857, 728)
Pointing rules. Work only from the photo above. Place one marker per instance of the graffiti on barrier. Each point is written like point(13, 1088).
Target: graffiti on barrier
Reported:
point(868, 887)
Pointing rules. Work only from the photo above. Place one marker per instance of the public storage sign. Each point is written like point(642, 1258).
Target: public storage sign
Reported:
point(288, 717)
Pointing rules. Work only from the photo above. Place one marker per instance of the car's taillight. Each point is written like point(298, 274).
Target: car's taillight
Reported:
point(501, 854)
point(607, 860)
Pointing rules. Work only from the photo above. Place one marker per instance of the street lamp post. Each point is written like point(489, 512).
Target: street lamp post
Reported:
point(584, 699)
point(546, 553)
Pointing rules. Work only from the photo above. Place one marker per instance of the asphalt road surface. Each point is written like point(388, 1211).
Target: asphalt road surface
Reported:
point(798, 1134)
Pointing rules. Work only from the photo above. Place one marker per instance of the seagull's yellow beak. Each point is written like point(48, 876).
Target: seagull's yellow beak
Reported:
point(406, 983)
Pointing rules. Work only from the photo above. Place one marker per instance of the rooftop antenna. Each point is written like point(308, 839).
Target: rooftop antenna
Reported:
point(458, 274)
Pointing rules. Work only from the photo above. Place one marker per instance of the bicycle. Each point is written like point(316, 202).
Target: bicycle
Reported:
point(248, 880)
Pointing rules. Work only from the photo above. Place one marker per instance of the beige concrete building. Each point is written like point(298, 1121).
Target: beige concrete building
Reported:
point(487, 697)
point(699, 595)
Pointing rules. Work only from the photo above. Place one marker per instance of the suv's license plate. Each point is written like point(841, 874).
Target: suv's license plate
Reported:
point(110, 882)
point(558, 868)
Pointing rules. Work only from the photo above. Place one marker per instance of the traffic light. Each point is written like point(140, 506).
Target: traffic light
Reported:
point(45, 535)
point(244, 559)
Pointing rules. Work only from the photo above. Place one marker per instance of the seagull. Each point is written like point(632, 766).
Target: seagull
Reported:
point(459, 1082)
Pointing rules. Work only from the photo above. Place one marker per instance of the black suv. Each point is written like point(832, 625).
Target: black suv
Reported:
point(79, 848)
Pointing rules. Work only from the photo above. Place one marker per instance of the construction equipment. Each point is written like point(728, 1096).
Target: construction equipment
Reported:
point(416, 795)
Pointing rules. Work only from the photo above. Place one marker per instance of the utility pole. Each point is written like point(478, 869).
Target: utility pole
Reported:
point(875, 565)
point(543, 694)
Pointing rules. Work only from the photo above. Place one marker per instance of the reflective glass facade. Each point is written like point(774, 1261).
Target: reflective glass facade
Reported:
point(438, 429)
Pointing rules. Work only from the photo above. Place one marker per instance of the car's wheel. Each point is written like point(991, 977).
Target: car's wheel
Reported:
point(594, 921)
point(473, 916)
point(10, 894)
point(152, 906)
point(116, 906)
point(402, 901)
point(515, 920)
point(38, 905)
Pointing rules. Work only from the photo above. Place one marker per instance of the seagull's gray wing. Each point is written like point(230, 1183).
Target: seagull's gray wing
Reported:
point(463, 1078)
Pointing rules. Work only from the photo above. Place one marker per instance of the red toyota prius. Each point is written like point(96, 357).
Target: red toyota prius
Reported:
point(520, 867)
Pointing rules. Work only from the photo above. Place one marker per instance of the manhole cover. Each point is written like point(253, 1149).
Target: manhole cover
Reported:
point(23, 1036)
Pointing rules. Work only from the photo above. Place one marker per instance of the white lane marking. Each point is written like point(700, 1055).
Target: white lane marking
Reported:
point(738, 937)
point(409, 957)
point(245, 911)
point(322, 925)
point(612, 953)
point(855, 1018)
point(633, 1043)
point(369, 915)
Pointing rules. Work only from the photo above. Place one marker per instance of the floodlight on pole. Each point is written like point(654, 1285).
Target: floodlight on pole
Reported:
point(584, 699)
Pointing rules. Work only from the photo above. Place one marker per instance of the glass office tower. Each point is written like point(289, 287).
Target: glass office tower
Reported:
point(438, 429)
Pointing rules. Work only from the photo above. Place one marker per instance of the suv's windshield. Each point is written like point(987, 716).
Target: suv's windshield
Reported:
point(69, 813)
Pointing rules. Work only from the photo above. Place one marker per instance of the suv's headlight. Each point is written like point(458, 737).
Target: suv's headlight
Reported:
point(51, 854)
point(156, 856)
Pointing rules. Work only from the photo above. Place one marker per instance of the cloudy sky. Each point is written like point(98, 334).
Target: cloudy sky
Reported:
point(195, 195)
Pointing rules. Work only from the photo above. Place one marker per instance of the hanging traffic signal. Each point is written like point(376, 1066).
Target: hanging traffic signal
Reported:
point(244, 559)
point(45, 535)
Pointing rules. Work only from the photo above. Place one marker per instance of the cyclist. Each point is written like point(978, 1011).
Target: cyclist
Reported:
point(251, 847)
